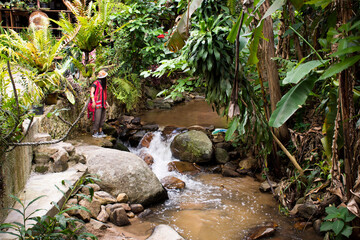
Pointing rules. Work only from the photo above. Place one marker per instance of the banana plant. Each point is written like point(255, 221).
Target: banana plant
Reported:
point(181, 31)
point(296, 97)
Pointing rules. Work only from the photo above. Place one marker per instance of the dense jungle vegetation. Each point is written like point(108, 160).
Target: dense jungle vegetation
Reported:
point(283, 71)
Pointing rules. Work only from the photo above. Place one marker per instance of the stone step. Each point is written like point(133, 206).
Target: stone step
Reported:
point(44, 185)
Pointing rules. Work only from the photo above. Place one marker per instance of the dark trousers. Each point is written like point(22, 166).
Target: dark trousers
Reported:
point(99, 119)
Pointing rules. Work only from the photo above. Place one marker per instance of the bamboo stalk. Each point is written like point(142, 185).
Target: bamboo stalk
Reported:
point(291, 157)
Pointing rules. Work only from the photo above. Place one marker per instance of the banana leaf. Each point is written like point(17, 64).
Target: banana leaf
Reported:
point(291, 102)
point(298, 73)
point(180, 34)
point(275, 6)
point(338, 67)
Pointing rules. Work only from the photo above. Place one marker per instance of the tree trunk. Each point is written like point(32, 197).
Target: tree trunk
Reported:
point(296, 38)
point(346, 85)
point(268, 68)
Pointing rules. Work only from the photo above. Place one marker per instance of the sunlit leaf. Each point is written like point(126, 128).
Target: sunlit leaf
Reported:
point(275, 6)
point(298, 73)
point(233, 33)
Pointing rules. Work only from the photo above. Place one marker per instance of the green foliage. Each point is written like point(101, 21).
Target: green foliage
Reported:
point(35, 49)
point(182, 86)
point(181, 32)
point(126, 88)
point(298, 94)
point(211, 57)
point(11, 117)
point(291, 101)
point(93, 20)
point(46, 227)
point(337, 221)
point(140, 44)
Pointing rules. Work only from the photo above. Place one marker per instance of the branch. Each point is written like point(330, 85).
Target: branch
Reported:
point(67, 122)
point(26, 133)
point(291, 157)
point(58, 140)
point(7, 137)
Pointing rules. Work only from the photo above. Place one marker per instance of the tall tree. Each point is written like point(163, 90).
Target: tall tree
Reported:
point(346, 86)
point(268, 68)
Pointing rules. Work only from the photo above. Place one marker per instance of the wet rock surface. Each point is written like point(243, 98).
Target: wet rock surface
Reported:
point(171, 182)
point(193, 146)
point(124, 172)
point(164, 232)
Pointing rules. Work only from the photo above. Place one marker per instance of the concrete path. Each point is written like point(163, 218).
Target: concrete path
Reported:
point(44, 184)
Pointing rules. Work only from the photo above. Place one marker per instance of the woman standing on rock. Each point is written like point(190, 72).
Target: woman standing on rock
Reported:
point(98, 95)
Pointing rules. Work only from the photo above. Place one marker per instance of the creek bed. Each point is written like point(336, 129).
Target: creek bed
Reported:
point(211, 207)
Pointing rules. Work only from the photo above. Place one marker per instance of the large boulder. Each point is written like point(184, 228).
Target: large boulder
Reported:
point(193, 146)
point(165, 232)
point(124, 172)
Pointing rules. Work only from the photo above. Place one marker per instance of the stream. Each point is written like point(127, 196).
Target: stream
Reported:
point(211, 207)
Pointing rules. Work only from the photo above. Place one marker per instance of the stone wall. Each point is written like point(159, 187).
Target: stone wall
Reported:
point(15, 166)
point(15, 170)
point(57, 128)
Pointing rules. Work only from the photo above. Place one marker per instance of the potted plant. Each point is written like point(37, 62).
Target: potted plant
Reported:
point(44, 4)
point(20, 4)
point(31, 4)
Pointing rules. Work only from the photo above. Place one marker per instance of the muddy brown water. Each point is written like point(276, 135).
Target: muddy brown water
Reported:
point(196, 112)
point(211, 207)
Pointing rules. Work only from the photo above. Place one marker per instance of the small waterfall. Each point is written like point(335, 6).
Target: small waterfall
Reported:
point(194, 192)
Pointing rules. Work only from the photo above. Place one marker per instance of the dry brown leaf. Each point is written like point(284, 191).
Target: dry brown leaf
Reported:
point(354, 207)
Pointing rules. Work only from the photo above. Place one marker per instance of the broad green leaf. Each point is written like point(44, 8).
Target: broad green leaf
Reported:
point(347, 231)
point(298, 73)
point(338, 225)
point(254, 45)
point(339, 67)
point(275, 6)
point(329, 122)
point(346, 51)
point(291, 102)
point(349, 216)
point(243, 41)
point(332, 216)
point(233, 126)
point(326, 226)
point(232, 35)
point(177, 39)
point(297, 3)
point(331, 210)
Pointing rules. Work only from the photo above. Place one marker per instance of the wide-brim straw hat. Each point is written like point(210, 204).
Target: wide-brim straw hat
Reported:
point(102, 74)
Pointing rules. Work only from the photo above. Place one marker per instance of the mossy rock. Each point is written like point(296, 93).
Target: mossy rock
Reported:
point(193, 146)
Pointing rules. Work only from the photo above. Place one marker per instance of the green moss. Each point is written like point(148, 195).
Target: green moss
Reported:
point(41, 169)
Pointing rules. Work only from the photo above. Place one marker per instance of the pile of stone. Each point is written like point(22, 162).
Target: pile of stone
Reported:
point(195, 145)
point(55, 157)
point(104, 207)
